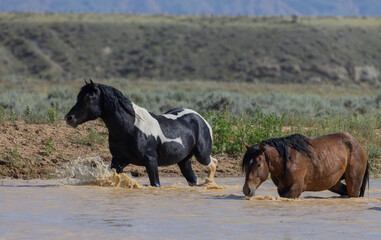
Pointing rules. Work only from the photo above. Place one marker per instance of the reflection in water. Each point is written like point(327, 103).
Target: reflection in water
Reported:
point(102, 206)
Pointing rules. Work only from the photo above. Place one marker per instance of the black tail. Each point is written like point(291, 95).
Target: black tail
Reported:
point(365, 180)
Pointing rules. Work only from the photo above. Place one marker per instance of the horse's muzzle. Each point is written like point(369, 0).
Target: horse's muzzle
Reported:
point(249, 191)
point(71, 120)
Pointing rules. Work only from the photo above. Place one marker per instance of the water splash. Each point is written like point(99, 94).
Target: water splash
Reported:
point(210, 184)
point(93, 171)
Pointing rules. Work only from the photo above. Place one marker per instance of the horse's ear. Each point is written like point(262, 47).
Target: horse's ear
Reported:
point(92, 83)
point(247, 146)
point(85, 81)
point(262, 147)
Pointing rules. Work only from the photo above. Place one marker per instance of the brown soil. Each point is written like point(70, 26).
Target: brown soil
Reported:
point(36, 150)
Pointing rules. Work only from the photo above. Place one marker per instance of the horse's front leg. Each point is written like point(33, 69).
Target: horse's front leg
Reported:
point(117, 162)
point(118, 165)
point(293, 191)
point(152, 170)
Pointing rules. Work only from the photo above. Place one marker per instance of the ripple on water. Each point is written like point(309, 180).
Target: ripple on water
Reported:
point(302, 200)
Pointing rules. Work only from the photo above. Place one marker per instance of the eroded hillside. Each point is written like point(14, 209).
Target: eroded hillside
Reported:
point(53, 46)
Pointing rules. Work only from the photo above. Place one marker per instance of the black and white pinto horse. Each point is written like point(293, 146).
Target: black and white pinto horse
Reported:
point(142, 138)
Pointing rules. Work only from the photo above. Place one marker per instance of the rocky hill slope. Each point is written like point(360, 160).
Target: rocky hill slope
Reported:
point(277, 49)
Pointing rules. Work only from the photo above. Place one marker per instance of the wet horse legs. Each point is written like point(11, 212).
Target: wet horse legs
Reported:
point(187, 171)
point(339, 188)
point(118, 165)
point(152, 170)
point(292, 192)
point(212, 168)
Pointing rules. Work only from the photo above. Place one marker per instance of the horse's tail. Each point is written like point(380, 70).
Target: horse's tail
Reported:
point(365, 180)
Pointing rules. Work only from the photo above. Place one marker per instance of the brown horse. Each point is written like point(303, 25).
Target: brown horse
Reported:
point(297, 164)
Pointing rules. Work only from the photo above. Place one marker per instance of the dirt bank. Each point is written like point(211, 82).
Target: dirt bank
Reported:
point(36, 150)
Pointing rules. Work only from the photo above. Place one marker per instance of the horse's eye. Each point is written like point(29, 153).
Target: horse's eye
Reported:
point(259, 165)
point(89, 97)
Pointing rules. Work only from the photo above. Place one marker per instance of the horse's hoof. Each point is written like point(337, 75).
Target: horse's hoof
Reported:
point(192, 184)
point(209, 180)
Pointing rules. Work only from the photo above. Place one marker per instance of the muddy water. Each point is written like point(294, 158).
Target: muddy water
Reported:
point(57, 209)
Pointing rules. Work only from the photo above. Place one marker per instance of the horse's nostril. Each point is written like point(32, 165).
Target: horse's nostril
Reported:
point(71, 120)
point(248, 191)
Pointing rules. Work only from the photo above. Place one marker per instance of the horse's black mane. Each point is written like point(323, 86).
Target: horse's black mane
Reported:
point(113, 97)
point(296, 141)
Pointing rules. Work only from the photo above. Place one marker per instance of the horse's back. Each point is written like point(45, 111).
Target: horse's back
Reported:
point(338, 143)
point(189, 115)
point(337, 140)
point(191, 127)
point(174, 111)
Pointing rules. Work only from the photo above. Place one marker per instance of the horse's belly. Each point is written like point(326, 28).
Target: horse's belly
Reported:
point(320, 182)
point(172, 155)
point(325, 170)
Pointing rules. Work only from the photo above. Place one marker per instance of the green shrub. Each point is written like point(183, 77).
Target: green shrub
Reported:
point(229, 130)
point(13, 157)
point(2, 114)
point(373, 153)
point(31, 117)
point(49, 148)
point(52, 114)
point(94, 136)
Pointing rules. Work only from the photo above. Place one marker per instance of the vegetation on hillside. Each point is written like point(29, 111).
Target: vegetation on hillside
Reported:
point(243, 49)
point(234, 114)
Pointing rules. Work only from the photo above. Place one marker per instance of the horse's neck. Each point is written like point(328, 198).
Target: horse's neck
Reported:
point(119, 118)
point(123, 119)
point(275, 161)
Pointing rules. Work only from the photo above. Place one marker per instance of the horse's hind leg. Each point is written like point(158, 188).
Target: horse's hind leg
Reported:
point(202, 154)
point(211, 164)
point(339, 188)
point(353, 179)
point(212, 167)
point(353, 182)
point(355, 169)
point(187, 171)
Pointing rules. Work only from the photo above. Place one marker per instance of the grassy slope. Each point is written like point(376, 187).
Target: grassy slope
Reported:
point(53, 46)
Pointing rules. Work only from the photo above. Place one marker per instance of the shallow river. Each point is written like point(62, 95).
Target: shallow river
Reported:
point(52, 209)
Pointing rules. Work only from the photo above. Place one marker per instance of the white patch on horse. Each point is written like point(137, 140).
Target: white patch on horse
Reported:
point(185, 112)
point(150, 126)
